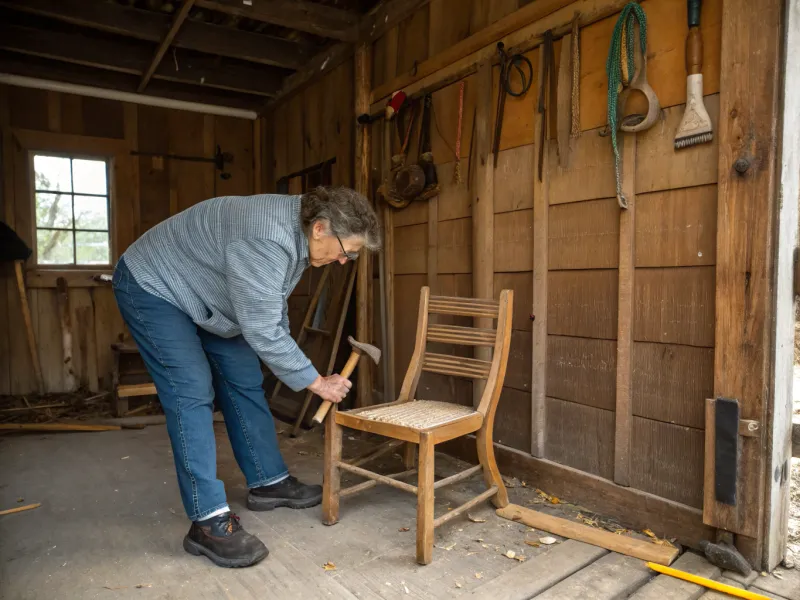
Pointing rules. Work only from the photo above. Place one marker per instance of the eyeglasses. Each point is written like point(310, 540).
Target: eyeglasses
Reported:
point(347, 255)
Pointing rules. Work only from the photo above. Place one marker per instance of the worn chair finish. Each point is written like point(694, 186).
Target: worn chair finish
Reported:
point(425, 423)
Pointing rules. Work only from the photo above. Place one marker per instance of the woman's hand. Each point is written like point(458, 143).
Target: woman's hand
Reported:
point(333, 388)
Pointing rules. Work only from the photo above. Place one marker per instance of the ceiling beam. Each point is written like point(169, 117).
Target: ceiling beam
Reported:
point(321, 20)
point(180, 17)
point(151, 26)
point(46, 69)
point(125, 55)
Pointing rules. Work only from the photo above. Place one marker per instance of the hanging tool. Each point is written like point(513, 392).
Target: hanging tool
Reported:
point(695, 127)
point(359, 349)
point(509, 63)
point(575, 128)
point(626, 68)
point(218, 160)
point(457, 169)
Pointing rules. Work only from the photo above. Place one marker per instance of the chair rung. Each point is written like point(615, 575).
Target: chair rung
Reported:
point(468, 307)
point(377, 477)
point(457, 477)
point(466, 336)
point(456, 365)
point(366, 485)
point(465, 507)
point(376, 452)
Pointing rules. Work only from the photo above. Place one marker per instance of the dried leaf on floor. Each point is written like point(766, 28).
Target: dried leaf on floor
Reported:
point(510, 554)
point(532, 543)
point(20, 499)
point(547, 540)
point(450, 547)
point(475, 519)
point(656, 539)
point(777, 574)
point(329, 566)
point(458, 585)
point(554, 500)
point(302, 453)
point(478, 575)
point(588, 521)
point(143, 585)
point(403, 529)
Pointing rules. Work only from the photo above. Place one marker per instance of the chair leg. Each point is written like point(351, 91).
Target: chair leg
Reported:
point(491, 474)
point(331, 473)
point(410, 455)
point(425, 500)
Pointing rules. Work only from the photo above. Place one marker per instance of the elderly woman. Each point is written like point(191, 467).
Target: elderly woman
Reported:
point(204, 295)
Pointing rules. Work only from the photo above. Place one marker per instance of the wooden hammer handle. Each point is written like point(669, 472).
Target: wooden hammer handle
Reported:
point(319, 417)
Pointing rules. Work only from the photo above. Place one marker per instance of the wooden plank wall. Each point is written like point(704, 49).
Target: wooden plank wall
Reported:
point(147, 192)
point(674, 238)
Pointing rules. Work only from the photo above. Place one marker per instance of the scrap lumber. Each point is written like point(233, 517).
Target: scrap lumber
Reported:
point(649, 551)
point(10, 511)
point(56, 427)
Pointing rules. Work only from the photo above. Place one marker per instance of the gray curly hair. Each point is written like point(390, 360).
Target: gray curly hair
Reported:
point(346, 212)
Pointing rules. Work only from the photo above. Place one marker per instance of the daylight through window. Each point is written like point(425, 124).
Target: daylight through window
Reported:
point(71, 200)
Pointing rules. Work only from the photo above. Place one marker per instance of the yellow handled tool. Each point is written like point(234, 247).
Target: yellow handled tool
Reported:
point(709, 583)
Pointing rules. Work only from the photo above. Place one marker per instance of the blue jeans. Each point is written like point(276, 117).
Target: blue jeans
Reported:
point(190, 367)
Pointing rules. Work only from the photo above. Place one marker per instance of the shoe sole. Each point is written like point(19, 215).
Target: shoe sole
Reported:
point(196, 549)
point(261, 504)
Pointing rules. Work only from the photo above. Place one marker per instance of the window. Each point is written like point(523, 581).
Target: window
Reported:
point(71, 203)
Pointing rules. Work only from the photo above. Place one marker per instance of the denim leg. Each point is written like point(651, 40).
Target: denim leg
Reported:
point(173, 353)
point(238, 384)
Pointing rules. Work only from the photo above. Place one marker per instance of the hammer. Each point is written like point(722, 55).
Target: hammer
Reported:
point(359, 349)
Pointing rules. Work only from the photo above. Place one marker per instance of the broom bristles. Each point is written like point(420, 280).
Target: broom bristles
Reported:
point(694, 139)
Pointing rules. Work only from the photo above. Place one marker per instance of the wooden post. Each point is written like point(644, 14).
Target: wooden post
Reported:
point(482, 187)
point(390, 390)
point(26, 318)
point(541, 207)
point(627, 234)
point(747, 199)
point(780, 434)
point(363, 70)
point(66, 333)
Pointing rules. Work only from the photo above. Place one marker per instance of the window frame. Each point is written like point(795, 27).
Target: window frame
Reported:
point(110, 189)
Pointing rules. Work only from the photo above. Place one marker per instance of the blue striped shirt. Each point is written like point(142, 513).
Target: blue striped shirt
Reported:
point(230, 263)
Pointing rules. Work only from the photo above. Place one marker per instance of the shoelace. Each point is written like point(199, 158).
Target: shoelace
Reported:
point(233, 524)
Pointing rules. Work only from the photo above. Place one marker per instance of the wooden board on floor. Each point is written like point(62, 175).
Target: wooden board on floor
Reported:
point(665, 587)
point(675, 306)
point(580, 436)
point(612, 576)
point(536, 575)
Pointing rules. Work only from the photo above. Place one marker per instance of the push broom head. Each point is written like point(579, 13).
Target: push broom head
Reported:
point(695, 128)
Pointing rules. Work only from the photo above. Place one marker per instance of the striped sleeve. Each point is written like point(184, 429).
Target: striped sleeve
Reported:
point(255, 271)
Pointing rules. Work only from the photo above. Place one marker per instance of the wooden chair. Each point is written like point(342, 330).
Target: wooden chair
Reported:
point(426, 423)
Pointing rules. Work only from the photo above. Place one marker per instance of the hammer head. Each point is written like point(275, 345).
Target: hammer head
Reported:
point(368, 349)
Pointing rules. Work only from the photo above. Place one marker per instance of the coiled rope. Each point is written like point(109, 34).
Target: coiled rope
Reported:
point(620, 67)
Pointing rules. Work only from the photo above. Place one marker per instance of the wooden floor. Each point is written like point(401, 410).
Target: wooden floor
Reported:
point(111, 520)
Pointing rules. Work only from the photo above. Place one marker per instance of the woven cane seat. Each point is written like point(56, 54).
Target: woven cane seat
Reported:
point(419, 414)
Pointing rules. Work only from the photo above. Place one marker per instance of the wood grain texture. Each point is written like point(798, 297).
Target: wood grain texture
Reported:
point(665, 58)
point(448, 23)
point(677, 228)
point(696, 165)
point(513, 179)
point(84, 338)
point(590, 173)
point(583, 303)
point(671, 382)
point(518, 375)
point(675, 306)
point(411, 249)
point(584, 235)
point(412, 41)
point(522, 284)
point(627, 236)
point(582, 370)
point(581, 437)
point(667, 460)
point(513, 241)
point(454, 199)
point(512, 424)
point(455, 246)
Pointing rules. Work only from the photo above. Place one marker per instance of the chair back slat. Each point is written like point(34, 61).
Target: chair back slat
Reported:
point(464, 336)
point(465, 307)
point(459, 366)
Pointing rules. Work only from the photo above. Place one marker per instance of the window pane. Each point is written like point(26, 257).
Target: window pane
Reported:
point(91, 212)
point(52, 173)
point(53, 210)
point(89, 176)
point(54, 247)
point(92, 248)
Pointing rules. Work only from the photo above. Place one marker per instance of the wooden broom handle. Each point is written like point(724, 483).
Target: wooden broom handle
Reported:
point(319, 416)
point(694, 41)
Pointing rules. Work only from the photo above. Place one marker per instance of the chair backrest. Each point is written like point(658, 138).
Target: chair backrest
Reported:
point(499, 339)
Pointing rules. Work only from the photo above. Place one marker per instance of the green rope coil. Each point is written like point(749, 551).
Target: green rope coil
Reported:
point(620, 66)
